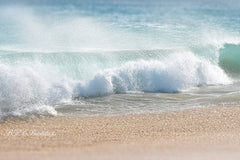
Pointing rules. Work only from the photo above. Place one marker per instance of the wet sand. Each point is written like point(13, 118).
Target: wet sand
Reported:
point(203, 133)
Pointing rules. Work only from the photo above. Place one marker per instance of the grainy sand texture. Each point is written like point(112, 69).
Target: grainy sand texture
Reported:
point(203, 133)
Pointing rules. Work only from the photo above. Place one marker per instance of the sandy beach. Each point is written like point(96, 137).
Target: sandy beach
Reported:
point(203, 133)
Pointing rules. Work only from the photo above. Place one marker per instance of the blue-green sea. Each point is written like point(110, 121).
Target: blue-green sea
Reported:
point(114, 57)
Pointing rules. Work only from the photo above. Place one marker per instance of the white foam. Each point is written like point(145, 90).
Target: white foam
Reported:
point(176, 73)
point(23, 90)
point(37, 87)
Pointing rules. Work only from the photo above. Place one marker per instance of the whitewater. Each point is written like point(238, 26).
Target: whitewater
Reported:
point(117, 57)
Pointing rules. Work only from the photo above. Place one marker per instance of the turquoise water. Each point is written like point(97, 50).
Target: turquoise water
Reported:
point(117, 57)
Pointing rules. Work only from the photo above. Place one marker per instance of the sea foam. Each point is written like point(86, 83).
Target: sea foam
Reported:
point(174, 74)
point(38, 87)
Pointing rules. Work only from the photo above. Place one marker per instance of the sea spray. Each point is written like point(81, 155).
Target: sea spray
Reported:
point(37, 86)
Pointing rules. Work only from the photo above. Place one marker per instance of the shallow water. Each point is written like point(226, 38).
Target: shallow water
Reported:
point(131, 103)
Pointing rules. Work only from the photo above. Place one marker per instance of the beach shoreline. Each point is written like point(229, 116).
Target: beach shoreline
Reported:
point(202, 133)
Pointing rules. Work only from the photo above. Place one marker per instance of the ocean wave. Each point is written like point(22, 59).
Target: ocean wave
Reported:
point(23, 90)
point(174, 74)
point(37, 86)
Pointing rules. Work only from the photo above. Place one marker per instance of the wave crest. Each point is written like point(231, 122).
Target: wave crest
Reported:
point(38, 87)
point(174, 74)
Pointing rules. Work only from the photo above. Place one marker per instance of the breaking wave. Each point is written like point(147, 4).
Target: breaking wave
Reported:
point(35, 83)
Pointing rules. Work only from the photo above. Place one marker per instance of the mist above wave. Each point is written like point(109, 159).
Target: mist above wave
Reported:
point(60, 28)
